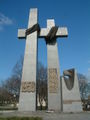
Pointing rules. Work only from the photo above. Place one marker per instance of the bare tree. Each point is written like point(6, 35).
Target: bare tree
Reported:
point(17, 70)
point(82, 85)
point(5, 96)
point(12, 84)
point(42, 83)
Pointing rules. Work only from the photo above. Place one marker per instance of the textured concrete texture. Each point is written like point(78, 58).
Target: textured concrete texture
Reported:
point(48, 116)
point(27, 101)
point(71, 98)
point(54, 98)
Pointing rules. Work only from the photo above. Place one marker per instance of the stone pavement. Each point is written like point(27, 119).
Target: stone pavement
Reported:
point(48, 116)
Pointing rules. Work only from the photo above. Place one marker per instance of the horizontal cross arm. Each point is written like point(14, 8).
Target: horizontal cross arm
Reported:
point(62, 32)
point(21, 33)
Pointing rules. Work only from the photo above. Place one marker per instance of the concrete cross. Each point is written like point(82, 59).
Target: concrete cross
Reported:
point(54, 90)
point(27, 100)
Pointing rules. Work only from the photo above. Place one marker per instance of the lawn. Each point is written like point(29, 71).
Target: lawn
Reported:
point(7, 107)
point(21, 118)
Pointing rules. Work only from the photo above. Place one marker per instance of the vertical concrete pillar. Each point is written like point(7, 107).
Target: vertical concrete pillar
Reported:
point(27, 101)
point(54, 94)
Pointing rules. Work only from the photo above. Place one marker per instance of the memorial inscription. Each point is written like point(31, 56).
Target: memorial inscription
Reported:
point(53, 80)
point(28, 87)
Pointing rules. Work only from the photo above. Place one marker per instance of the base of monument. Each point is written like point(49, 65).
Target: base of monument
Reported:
point(74, 107)
point(26, 104)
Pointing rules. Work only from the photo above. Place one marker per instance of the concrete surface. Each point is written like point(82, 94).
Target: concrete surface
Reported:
point(54, 98)
point(71, 98)
point(48, 116)
point(27, 101)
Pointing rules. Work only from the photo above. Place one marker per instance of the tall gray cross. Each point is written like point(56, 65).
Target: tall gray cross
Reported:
point(27, 100)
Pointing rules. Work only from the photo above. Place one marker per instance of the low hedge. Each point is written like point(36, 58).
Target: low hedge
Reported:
point(21, 118)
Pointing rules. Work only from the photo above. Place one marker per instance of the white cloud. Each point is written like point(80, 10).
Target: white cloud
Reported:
point(4, 20)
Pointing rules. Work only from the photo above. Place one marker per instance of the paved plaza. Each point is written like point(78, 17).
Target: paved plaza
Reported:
point(48, 116)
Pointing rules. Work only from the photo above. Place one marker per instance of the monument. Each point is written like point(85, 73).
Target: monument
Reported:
point(27, 101)
point(70, 92)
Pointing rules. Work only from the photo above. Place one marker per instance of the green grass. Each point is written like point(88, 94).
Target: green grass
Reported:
point(21, 118)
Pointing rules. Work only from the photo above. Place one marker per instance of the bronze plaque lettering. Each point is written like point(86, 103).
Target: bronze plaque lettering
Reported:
point(53, 80)
point(28, 87)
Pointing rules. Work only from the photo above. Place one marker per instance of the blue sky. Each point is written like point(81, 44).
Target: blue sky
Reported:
point(74, 51)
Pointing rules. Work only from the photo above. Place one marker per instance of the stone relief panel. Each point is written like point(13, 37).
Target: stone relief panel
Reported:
point(53, 80)
point(28, 86)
